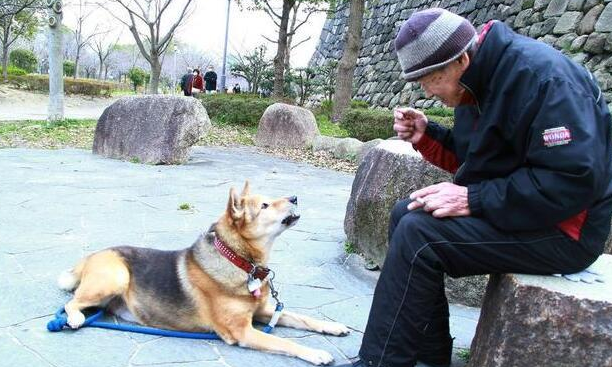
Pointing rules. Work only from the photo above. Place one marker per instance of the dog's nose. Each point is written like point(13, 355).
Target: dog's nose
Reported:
point(292, 199)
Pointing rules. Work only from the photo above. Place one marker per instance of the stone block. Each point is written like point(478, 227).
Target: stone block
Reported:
point(604, 23)
point(587, 24)
point(388, 173)
point(284, 125)
point(529, 320)
point(154, 129)
point(556, 8)
point(568, 22)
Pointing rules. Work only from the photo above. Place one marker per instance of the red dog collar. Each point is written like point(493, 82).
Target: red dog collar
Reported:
point(258, 272)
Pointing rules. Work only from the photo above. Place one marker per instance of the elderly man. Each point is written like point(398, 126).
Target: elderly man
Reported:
point(532, 191)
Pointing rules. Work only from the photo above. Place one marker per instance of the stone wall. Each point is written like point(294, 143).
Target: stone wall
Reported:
point(582, 29)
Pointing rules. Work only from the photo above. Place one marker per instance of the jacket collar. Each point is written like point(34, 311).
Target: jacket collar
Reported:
point(486, 60)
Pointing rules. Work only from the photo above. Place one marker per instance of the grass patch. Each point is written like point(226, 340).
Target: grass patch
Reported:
point(228, 134)
point(464, 355)
point(185, 206)
point(48, 135)
point(328, 128)
point(349, 248)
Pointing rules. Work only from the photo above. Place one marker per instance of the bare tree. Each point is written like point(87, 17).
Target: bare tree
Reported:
point(10, 8)
point(81, 39)
point(103, 50)
point(147, 15)
point(346, 66)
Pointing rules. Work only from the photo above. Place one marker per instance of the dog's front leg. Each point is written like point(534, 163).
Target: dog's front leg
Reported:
point(253, 338)
point(302, 322)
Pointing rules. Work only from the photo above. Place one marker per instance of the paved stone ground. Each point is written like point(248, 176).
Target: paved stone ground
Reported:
point(56, 206)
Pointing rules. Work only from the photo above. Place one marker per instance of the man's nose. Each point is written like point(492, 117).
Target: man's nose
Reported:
point(292, 199)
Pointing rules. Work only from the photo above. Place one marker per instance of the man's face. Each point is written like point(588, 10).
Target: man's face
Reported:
point(444, 83)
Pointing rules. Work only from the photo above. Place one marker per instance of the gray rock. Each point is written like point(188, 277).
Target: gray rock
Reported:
point(540, 4)
point(595, 43)
point(589, 4)
point(322, 142)
point(467, 291)
point(564, 42)
point(568, 22)
point(604, 24)
point(366, 147)
point(347, 148)
point(154, 129)
point(522, 19)
point(575, 5)
point(531, 320)
point(580, 58)
point(556, 8)
point(587, 24)
point(578, 43)
point(284, 125)
point(608, 45)
point(388, 173)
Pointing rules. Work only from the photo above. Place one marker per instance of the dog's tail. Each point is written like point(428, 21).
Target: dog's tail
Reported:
point(69, 279)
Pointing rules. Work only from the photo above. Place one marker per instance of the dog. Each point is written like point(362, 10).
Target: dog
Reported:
point(204, 287)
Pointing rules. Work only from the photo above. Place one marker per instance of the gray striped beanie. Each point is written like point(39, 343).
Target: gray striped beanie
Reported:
point(431, 39)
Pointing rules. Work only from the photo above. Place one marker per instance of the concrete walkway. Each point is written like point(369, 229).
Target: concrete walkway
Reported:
point(57, 206)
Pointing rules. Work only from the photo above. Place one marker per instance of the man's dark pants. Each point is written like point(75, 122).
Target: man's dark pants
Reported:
point(409, 316)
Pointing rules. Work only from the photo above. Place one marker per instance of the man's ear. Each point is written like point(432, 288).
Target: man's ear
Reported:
point(235, 205)
point(464, 60)
point(246, 191)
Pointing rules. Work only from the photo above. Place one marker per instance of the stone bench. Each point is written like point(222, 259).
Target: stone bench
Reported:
point(529, 320)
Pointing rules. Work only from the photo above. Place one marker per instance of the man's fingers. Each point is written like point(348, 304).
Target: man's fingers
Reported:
point(424, 192)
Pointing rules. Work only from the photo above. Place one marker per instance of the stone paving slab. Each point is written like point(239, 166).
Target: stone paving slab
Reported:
point(57, 206)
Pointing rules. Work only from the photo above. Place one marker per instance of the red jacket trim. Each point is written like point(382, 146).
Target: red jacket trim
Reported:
point(435, 153)
point(573, 226)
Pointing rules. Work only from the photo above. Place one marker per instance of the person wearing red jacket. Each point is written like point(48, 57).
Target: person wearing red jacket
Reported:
point(198, 82)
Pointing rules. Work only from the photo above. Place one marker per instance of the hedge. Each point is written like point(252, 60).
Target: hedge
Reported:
point(13, 70)
point(368, 124)
point(236, 109)
point(40, 83)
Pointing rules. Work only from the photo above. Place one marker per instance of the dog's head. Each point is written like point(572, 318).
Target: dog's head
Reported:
point(257, 217)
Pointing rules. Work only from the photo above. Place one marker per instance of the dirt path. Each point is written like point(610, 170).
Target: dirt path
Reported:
point(17, 104)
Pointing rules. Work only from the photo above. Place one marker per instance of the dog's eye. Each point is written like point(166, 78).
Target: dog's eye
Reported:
point(264, 205)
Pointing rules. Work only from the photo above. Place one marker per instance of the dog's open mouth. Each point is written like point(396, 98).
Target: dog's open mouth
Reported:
point(290, 219)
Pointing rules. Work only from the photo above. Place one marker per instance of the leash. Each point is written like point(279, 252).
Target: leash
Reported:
point(60, 323)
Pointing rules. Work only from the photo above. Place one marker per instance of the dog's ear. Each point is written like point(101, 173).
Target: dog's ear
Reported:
point(246, 191)
point(235, 205)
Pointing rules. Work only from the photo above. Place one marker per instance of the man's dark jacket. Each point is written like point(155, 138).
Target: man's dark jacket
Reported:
point(534, 146)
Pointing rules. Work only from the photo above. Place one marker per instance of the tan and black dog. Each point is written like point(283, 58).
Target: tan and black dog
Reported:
point(203, 287)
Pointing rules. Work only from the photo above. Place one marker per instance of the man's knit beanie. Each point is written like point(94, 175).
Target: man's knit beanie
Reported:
point(431, 39)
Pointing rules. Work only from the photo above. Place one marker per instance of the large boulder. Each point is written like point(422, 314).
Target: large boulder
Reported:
point(286, 126)
point(154, 129)
point(389, 172)
point(531, 320)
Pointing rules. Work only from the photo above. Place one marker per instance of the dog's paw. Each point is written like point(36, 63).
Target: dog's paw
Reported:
point(335, 328)
point(76, 320)
point(318, 357)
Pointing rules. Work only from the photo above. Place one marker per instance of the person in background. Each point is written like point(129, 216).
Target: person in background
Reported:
point(198, 83)
point(187, 82)
point(211, 80)
point(531, 155)
point(236, 88)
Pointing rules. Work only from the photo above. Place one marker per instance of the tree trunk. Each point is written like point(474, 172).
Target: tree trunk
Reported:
point(76, 64)
point(56, 70)
point(346, 66)
point(155, 72)
point(279, 59)
point(5, 62)
point(101, 67)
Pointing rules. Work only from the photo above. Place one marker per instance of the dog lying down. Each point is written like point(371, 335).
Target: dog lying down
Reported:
point(199, 288)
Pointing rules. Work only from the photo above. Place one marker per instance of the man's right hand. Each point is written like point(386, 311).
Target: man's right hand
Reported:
point(409, 124)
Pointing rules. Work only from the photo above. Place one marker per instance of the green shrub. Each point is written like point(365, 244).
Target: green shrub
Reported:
point(328, 128)
point(13, 70)
point(24, 59)
point(137, 76)
point(365, 124)
point(69, 68)
point(40, 83)
point(235, 109)
point(326, 107)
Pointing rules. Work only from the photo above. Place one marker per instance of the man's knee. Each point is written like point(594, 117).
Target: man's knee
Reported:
point(399, 210)
point(410, 234)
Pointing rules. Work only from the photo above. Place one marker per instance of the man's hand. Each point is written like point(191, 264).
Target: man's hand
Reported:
point(588, 275)
point(409, 124)
point(442, 200)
